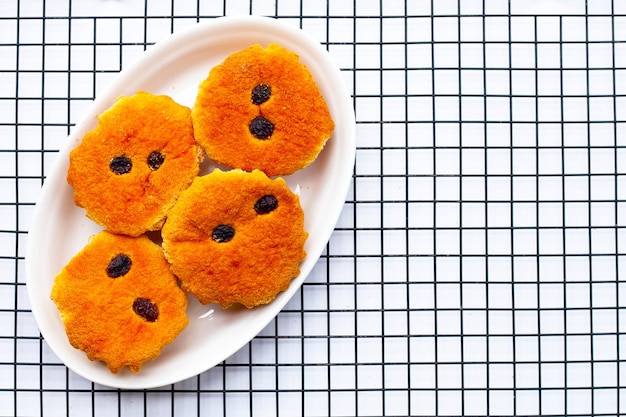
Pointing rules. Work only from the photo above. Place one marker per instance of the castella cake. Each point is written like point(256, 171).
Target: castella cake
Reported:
point(128, 171)
point(261, 109)
point(235, 237)
point(119, 301)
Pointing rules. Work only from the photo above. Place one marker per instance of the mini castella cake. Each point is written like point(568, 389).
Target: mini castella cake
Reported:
point(235, 237)
point(261, 109)
point(128, 171)
point(119, 301)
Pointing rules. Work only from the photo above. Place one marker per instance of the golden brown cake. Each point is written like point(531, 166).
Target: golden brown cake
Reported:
point(261, 109)
point(128, 171)
point(119, 301)
point(235, 237)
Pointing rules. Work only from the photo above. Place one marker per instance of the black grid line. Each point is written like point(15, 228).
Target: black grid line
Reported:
point(475, 269)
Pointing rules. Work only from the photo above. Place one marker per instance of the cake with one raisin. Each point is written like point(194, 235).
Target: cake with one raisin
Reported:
point(119, 301)
point(261, 109)
point(128, 171)
point(235, 237)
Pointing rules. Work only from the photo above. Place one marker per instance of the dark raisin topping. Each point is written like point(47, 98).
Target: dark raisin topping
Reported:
point(266, 204)
point(223, 233)
point(155, 160)
point(119, 265)
point(121, 165)
point(146, 309)
point(261, 128)
point(261, 93)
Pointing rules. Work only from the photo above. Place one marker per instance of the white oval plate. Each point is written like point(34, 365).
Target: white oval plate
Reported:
point(175, 67)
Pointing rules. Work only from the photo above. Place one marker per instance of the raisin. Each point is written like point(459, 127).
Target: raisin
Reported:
point(261, 93)
point(121, 165)
point(146, 309)
point(261, 128)
point(155, 160)
point(119, 265)
point(223, 233)
point(266, 204)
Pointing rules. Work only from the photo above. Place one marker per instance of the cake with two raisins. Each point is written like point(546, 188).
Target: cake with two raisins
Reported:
point(119, 301)
point(235, 237)
point(261, 109)
point(128, 171)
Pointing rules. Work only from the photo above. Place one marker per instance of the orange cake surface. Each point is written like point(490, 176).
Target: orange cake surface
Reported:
point(128, 171)
point(119, 301)
point(261, 109)
point(235, 237)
